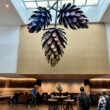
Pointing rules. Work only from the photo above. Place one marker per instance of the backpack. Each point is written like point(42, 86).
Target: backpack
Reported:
point(85, 101)
point(107, 107)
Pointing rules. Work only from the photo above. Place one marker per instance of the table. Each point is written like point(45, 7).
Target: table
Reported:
point(52, 104)
point(5, 96)
point(69, 104)
point(2, 97)
point(60, 101)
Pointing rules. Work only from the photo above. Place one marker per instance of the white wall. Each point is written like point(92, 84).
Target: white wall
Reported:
point(21, 9)
point(108, 38)
point(9, 40)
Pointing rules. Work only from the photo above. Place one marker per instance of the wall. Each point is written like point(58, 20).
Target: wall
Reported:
point(86, 53)
point(71, 86)
point(9, 40)
point(9, 86)
point(99, 84)
point(108, 38)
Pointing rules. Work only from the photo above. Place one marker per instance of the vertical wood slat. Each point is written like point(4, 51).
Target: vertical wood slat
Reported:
point(86, 53)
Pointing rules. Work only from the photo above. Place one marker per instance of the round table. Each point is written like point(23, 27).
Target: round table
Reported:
point(60, 101)
point(69, 104)
point(52, 104)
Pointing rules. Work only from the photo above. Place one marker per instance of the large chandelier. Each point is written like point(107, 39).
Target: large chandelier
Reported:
point(54, 39)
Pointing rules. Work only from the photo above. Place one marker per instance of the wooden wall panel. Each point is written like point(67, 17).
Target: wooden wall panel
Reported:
point(2, 83)
point(100, 84)
point(71, 86)
point(86, 53)
point(9, 86)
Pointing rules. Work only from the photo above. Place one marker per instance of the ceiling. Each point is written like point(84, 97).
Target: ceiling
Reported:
point(69, 76)
point(56, 76)
point(106, 16)
point(17, 14)
point(31, 4)
point(8, 14)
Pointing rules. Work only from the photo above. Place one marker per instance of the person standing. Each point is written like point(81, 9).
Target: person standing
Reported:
point(83, 100)
point(34, 98)
point(102, 100)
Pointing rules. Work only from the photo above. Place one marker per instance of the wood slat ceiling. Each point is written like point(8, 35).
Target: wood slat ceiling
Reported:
point(66, 76)
point(56, 76)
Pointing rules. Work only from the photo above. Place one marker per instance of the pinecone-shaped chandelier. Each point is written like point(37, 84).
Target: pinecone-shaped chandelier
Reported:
point(54, 40)
point(40, 19)
point(72, 16)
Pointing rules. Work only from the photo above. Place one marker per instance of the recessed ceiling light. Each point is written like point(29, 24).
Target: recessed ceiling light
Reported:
point(7, 6)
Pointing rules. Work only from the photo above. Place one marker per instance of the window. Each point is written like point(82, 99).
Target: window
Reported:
point(32, 4)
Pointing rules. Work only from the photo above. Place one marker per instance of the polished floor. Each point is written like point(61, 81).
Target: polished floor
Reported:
point(23, 107)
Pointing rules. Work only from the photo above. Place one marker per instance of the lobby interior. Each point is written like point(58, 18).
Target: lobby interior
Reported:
point(85, 62)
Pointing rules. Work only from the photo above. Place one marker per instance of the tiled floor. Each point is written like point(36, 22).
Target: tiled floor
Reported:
point(23, 107)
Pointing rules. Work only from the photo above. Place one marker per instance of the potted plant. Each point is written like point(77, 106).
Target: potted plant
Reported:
point(59, 88)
